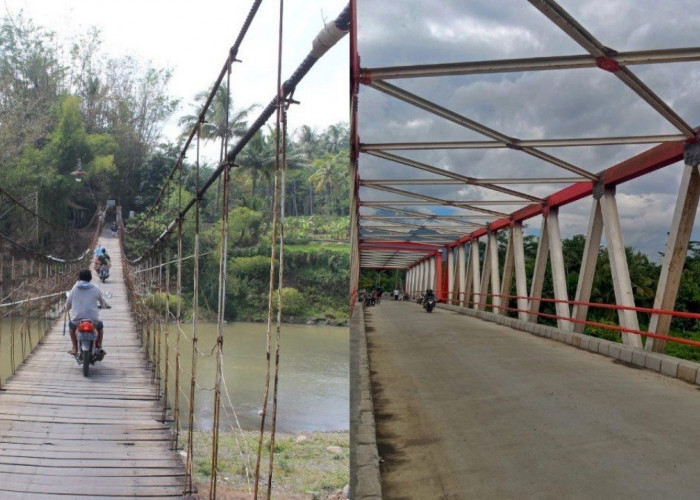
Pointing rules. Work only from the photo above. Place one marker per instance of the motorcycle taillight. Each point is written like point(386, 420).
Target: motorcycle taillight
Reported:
point(85, 326)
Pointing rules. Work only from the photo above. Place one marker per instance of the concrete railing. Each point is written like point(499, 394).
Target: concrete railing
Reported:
point(682, 369)
point(364, 458)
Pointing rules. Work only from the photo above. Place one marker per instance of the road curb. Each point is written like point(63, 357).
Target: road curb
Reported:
point(365, 481)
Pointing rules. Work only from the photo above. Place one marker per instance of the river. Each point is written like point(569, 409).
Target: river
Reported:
point(313, 378)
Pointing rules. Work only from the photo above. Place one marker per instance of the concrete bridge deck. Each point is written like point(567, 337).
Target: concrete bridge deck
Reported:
point(471, 409)
point(64, 435)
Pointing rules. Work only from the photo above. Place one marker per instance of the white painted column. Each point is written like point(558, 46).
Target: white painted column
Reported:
point(675, 255)
point(422, 277)
point(507, 277)
point(588, 264)
point(462, 278)
point(556, 258)
point(495, 273)
point(414, 279)
point(520, 276)
point(475, 272)
point(485, 275)
point(538, 272)
point(431, 274)
point(624, 295)
point(450, 275)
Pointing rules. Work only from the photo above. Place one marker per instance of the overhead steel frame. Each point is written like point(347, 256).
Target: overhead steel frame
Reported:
point(392, 240)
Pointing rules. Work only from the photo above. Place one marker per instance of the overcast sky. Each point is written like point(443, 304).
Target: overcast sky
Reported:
point(193, 38)
point(552, 104)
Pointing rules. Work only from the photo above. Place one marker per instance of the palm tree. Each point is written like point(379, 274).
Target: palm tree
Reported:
point(336, 137)
point(329, 172)
point(258, 158)
point(215, 126)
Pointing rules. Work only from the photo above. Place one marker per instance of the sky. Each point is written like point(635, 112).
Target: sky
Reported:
point(531, 105)
point(193, 38)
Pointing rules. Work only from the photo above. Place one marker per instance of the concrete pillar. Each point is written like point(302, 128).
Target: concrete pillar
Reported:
point(519, 262)
point(461, 272)
point(475, 272)
point(538, 272)
point(450, 275)
point(622, 284)
point(431, 273)
point(588, 264)
point(556, 258)
point(495, 273)
point(485, 275)
point(507, 277)
point(422, 280)
point(674, 257)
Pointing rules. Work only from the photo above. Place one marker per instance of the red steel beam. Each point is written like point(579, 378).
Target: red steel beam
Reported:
point(648, 161)
point(406, 246)
point(653, 159)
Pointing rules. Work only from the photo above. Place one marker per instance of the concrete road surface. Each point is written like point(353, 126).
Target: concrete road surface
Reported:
point(471, 409)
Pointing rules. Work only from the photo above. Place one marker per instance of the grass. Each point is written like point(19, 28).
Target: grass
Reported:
point(310, 465)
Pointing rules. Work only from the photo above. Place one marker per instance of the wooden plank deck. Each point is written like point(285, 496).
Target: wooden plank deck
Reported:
point(62, 434)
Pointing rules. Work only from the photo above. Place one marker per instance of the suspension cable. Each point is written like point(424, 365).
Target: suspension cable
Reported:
point(273, 246)
point(195, 315)
point(280, 285)
point(221, 306)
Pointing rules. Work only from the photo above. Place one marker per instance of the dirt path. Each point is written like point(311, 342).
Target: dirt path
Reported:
point(470, 409)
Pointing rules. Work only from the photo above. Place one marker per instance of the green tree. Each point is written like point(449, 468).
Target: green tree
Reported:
point(330, 175)
point(216, 126)
point(30, 82)
point(258, 159)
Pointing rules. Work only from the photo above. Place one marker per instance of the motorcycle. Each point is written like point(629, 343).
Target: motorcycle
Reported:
point(87, 353)
point(429, 302)
point(103, 272)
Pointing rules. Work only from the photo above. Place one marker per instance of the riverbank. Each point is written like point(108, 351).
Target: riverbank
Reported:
point(308, 465)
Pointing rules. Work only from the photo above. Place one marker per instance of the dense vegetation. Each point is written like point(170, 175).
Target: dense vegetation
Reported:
point(68, 112)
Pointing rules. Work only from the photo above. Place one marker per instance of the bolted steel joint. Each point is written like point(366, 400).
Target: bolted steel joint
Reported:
point(598, 189)
point(691, 154)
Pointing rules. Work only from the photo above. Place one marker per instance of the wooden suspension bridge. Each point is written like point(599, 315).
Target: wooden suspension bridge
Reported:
point(107, 435)
point(62, 434)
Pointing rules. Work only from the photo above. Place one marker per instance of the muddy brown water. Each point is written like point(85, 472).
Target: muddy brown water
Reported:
point(313, 375)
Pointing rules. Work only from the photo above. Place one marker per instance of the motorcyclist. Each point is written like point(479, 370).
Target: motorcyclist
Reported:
point(428, 295)
point(84, 299)
point(103, 259)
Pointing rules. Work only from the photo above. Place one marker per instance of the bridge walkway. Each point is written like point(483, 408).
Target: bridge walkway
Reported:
point(466, 408)
point(62, 434)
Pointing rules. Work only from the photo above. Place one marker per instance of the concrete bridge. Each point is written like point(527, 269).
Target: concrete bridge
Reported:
point(476, 405)
point(472, 173)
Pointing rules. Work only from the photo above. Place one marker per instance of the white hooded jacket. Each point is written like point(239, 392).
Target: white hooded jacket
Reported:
point(83, 299)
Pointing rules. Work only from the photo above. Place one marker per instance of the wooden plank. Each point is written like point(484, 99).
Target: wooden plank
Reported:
point(29, 470)
point(95, 489)
point(74, 462)
point(109, 481)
